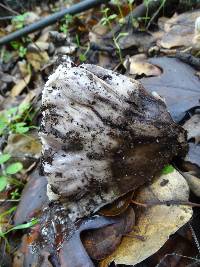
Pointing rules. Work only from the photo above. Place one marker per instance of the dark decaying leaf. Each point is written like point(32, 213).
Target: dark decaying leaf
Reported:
point(72, 252)
point(32, 199)
point(102, 242)
point(118, 206)
point(178, 85)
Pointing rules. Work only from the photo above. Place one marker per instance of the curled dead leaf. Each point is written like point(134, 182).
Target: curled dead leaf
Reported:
point(20, 85)
point(155, 223)
point(138, 65)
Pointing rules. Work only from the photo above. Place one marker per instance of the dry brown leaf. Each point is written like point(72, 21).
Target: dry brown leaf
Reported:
point(155, 224)
point(21, 84)
point(138, 65)
point(179, 30)
point(97, 33)
point(23, 67)
point(37, 60)
point(20, 145)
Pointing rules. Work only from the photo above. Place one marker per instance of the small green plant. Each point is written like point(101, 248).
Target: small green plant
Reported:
point(107, 20)
point(82, 56)
point(30, 224)
point(15, 194)
point(64, 27)
point(8, 171)
point(19, 21)
point(19, 47)
point(16, 119)
point(117, 3)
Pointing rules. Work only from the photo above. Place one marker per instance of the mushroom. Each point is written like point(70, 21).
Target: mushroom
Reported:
point(103, 136)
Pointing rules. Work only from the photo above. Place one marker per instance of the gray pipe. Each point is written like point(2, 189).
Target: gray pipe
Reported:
point(77, 8)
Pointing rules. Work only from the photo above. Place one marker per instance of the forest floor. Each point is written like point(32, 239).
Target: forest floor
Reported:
point(156, 44)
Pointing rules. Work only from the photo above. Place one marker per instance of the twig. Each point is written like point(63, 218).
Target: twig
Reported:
point(189, 59)
point(167, 203)
point(9, 9)
point(142, 238)
point(155, 14)
point(195, 237)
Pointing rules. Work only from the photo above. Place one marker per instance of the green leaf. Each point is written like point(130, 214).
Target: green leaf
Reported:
point(9, 211)
point(14, 168)
point(168, 169)
point(15, 44)
point(21, 130)
point(4, 158)
point(20, 124)
point(25, 225)
point(20, 226)
point(105, 10)
point(23, 107)
point(3, 182)
point(11, 111)
point(113, 16)
point(82, 57)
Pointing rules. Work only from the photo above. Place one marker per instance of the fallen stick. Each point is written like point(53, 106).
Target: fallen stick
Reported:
point(189, 59)
point(167, 203)
point(77, 8)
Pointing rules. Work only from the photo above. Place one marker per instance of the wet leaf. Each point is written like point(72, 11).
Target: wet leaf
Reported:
point(102, 242)
point(33, 193)
point(154, 223)
point(178, 85)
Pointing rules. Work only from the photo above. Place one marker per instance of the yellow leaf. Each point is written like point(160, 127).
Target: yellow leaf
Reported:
point(156, 223)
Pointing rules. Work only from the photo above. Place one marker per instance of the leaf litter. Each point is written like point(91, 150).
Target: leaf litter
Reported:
point(25, 68)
